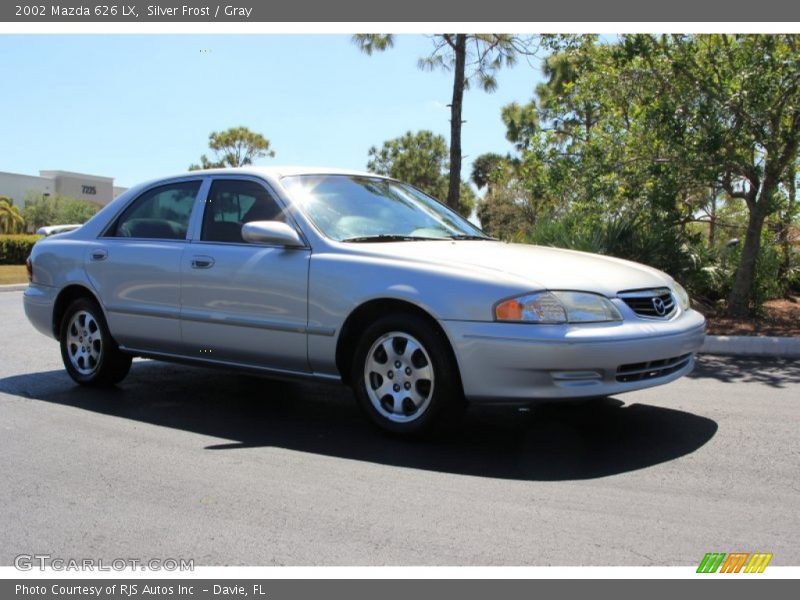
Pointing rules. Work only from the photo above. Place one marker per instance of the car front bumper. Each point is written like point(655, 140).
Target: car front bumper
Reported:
point(518, 363)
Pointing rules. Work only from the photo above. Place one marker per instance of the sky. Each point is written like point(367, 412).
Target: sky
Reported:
point(137, 107)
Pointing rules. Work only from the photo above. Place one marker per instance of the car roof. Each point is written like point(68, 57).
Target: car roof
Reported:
point(282, 171)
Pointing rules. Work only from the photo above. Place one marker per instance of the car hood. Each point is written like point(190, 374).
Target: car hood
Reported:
point(538, 266)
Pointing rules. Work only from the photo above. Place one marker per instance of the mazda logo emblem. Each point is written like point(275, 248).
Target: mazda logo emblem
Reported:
point(659, 306)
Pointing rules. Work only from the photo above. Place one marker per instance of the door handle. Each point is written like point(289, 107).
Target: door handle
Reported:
point(99, 254)
point(202, 262)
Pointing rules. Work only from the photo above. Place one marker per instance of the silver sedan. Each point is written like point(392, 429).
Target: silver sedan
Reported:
point(352, 277)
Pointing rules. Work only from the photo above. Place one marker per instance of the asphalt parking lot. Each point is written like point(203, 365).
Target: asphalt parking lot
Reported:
point(226, 469)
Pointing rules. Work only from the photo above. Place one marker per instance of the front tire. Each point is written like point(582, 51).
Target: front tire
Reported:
point(90, 355)
point(405, 377)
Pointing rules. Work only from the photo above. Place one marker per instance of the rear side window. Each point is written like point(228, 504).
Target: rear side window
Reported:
point(160, 213)
point(232, 203)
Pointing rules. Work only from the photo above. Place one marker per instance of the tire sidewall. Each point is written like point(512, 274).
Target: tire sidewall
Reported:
point(446, 389)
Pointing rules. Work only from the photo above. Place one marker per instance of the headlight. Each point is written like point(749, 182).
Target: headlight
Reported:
point(557, 307)
point(681, 294)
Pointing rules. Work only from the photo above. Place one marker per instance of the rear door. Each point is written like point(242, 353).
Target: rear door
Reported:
point(241, 302)
point(135, 266)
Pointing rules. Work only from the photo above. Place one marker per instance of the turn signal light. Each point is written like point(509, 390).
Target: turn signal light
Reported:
point(510, 310)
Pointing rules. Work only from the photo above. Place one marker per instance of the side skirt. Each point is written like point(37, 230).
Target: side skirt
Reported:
point(231, 365)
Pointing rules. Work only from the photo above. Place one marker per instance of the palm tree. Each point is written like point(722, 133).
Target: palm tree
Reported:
point(11, 220)
point(472, 57)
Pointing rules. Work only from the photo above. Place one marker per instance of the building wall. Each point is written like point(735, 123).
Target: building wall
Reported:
point(15, 186)
point(93, 188)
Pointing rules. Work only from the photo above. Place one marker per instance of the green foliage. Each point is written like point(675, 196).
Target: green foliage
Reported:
point(14, 249)
point(633, 237)
point(472, 58)
point(485, 53)
point(767, 284)
point(658, 132)
point(71, 210)
point(56, 210)
point(714, 280)
point(373, 42)
point(791, 276)
point(466, 199)
point(234, 147)
point(420, 159)
point(486, 168)
point(11, 220)
point(39, 211)
point(725, 110)
point(506, 211)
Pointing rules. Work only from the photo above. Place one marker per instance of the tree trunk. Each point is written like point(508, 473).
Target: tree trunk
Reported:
point(786, 225)
point(454, 188)
point(712, 221)
point(741, 295)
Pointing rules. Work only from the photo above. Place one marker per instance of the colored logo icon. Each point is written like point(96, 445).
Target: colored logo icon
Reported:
point(735, 562)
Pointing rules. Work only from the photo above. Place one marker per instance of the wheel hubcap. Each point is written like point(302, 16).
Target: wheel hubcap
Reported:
point(399, 377)
point(84, 343)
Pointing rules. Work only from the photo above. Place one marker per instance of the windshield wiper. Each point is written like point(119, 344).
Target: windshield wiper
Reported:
point(393, 237)
point(466, 236)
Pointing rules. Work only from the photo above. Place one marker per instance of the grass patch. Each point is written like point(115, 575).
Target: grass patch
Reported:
point(13, 274)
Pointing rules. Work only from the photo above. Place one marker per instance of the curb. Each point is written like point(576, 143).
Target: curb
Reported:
point(745, 345)
point(13, 287)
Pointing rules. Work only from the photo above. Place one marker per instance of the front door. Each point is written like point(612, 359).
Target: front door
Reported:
point(240, 302)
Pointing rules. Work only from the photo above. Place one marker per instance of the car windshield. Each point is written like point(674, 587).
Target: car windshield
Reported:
point(351, 208)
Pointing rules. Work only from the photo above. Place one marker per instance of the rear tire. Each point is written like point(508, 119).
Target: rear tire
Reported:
point(90, 355)
point(405, 377)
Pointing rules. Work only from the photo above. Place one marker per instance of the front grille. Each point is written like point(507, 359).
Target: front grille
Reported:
point(652, 369)
point(653, 304)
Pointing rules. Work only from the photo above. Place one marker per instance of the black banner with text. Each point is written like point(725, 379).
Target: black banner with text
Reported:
point(708, 11)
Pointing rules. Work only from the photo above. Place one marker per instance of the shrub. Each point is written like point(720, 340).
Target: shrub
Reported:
point(631, 237)
point(713, 283)
point(768, 283)
point(58, 210)
point(14, 249)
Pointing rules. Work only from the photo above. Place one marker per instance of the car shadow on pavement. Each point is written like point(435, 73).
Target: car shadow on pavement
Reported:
point(555, 441)
point(771, 371)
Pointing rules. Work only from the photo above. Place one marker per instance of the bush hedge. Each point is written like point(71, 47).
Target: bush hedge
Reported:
point(14, 249)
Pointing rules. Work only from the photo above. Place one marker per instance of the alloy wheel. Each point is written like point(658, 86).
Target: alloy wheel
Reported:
point(84, 342)
point(399, 377)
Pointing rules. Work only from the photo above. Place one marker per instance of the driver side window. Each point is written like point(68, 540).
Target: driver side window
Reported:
point(232, 203)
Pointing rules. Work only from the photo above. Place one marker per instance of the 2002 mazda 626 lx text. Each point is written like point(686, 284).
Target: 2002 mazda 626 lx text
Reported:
point(351, 276)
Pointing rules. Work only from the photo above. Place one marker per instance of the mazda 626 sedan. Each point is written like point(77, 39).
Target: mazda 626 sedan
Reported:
point(352, 277)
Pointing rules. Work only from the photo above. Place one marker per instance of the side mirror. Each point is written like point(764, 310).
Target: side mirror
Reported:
point(271, 232)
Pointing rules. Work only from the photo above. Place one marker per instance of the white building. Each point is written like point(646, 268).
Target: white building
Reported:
point(94, 188)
